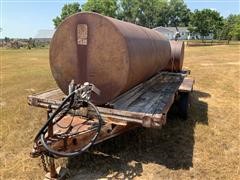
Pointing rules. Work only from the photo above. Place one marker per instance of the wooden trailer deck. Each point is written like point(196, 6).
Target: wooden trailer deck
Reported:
point(146, 104)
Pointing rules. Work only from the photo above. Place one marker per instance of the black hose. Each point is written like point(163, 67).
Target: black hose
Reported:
point(58, 110)
point(43, 131)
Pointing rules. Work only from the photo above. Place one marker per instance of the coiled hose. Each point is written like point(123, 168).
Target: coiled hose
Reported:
point(67, 107)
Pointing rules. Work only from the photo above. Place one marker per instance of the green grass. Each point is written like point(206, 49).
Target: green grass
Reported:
point(206, 146)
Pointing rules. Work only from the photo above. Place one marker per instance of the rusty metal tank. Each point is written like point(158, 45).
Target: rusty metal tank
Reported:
point(112, 54)
point(177, 56)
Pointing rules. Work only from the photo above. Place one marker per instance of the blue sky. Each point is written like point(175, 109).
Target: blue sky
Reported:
point(23, 18)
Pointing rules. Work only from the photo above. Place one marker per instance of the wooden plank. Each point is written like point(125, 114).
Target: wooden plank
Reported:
point(124, 100)
point(154, 96)
point(187, 85)
point(55, 94)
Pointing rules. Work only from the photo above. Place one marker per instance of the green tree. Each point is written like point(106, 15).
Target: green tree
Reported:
point(235, 32)
point(152, 13)
point(231, 28)
point(141, 12)
point(31, 43)
point(128, 10)
point(6, 39)
point(105, 7)
point(67, 10)
point(162, 15)
point(178, 13)
point(148, 13)
point(205, 22)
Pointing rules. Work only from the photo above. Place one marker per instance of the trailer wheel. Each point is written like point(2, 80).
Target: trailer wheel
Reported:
point(183, 105)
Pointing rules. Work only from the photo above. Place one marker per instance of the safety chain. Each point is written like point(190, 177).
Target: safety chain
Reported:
point(44, 164)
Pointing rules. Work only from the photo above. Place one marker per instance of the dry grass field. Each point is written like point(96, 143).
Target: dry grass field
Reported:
point(206, 146)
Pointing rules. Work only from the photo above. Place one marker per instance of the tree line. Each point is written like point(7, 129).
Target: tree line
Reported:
point(23, 43)
point(148, 13)
point(154, 13)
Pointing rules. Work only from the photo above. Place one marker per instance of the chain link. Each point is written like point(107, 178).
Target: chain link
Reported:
point(44, 163)
point(47, 159)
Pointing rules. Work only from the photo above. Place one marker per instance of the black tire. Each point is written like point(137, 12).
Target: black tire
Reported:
point(183, 105)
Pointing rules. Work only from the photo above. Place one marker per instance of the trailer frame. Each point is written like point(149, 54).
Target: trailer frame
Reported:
point(146, 104)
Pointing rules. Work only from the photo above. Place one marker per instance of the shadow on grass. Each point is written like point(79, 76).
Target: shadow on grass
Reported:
point(122, 156)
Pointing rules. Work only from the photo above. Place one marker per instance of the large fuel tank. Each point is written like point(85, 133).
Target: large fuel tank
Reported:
point(112, 54)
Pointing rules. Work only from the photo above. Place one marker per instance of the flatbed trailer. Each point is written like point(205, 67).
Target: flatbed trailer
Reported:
point(145, 105)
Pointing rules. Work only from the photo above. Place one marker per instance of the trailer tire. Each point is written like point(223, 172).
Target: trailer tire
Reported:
point(183, 105)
